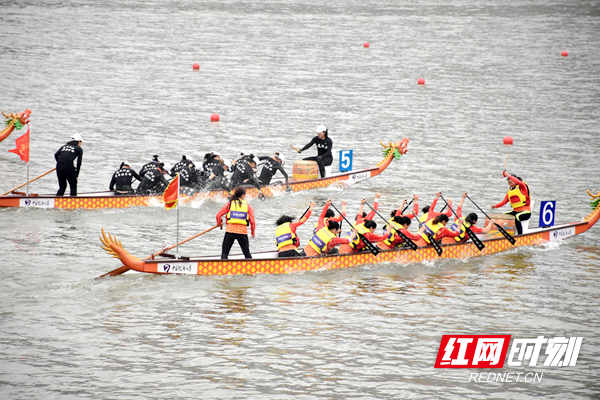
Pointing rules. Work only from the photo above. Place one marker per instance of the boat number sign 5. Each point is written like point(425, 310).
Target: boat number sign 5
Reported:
point(345, 160)
point(188, 268)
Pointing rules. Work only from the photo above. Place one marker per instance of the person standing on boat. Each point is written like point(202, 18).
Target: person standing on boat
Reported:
point(469, 222)
point(520, 200)
point(391, 238)
point(285, 234)
point(154, 181)
point(122, 179)
point(239, 214)
point(325, 240)
point(324, 145)
point(65, 170)
point(149, 166)
point(272, 165)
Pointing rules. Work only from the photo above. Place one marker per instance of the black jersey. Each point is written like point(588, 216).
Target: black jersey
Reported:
point(269, 169)
point(122, 179)
point(67, 154)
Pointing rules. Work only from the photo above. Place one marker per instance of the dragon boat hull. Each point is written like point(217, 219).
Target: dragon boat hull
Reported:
point(109, 200)
point(268, 263)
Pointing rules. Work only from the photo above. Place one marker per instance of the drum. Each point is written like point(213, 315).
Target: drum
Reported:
point(305, 170)
point(505, 221)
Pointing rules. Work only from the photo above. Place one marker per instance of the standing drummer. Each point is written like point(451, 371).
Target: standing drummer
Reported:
point(324, 145)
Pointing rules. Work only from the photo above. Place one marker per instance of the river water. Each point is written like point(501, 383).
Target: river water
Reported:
point(120, 74)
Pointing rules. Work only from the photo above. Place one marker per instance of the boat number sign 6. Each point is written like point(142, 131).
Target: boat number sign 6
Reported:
point(547, 211)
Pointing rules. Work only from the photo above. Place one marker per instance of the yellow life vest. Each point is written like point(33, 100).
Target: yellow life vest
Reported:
point(238, 213)
point(392, 233)
point(320, 240)
point(462, 229)
point(360, 228)
point(516, 198)
point(284, 235)
point(431, 229)
point(423, 218)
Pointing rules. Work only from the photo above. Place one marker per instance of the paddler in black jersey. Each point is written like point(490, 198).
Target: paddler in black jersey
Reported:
point(243, 174)
point(185, 162)
point(149, 166)
point(272, 165)
point(65, 170)
point(154, 181)
point(324, 145)
point(214, 169)
point(122, 179)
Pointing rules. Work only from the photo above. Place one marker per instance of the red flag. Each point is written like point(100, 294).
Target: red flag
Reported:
point(171, 194)
point(22, 149)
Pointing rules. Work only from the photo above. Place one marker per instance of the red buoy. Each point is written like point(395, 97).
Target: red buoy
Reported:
point(215, 117)
point(564, 53)
point(421, 81)
point(508, 140)
point(366, 44)
point(196, 66)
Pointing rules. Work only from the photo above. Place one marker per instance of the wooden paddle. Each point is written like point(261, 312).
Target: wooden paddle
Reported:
point(299, 151)
point(20, 186)
point(502, 231)
point(122, 269)
point(373, 249)
point(480, 246)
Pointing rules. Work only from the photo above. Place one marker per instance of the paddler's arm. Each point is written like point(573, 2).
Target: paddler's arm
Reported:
point(431, 213)
point(371, 215)
point(399, 210)
point(280, 168)
point(252, 221)
point(112, 183)
point(344, 202)
point(79, 158)
point(305, 217)
point(321, 223)
point(136, 175)
point(359, 217)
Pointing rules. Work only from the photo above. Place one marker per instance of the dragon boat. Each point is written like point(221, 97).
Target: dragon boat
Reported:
point(392, 151)
point(14, 121)
point(269, 263)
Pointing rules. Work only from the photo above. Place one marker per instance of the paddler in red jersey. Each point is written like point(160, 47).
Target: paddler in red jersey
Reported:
point(285, 234)
point(469, 222)
point(240, 214)
point(398, 212)
point(520, 200)
point(364, 225)
point(325, 240)
point(429, 212)
point(437, 229)
point(391, 239)
point(328, 214)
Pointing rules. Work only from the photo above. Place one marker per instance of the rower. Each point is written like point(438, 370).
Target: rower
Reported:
point(149, 166)
point(429, 212)
point(325, 240)
point(244, 175)
point(285, 234)
point(185, 162)
point(239, 214)
point(436, 228)
point(365, 226)
point(469, 222)
point(153, 181)
point(391, 238)
point(324, 145)
point(363, 216)
point(398, 212)
point(272, 165)
point(327, 214)
point(519, 197)
point(122, 179)
point(215, 170)
point(65, 170)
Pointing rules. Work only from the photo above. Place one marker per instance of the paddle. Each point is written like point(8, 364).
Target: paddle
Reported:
point(373, 249)
point(122, 269)
point(480, 246)
point(410, 243)
point(20, 186)
point(299, 151)
point(502, 231)
point(408, 205)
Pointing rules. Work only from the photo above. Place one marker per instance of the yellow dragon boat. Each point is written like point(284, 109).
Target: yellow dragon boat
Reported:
point(269, 263)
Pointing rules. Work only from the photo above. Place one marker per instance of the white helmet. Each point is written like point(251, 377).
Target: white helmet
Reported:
point(321, 128)
point(281, 157)
point(77, 137)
